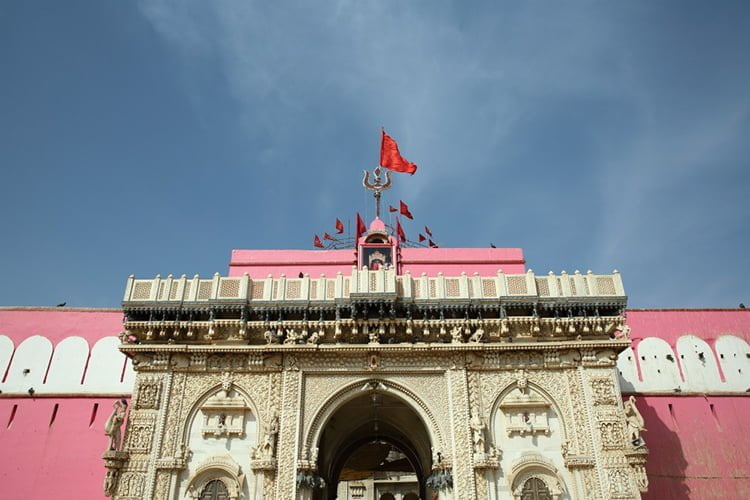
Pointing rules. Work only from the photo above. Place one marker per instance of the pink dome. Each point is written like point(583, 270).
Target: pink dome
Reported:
point(377, 225)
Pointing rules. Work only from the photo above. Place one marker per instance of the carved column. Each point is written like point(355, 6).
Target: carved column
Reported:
point(463, 464)
point(161, 420)
point(289, 429)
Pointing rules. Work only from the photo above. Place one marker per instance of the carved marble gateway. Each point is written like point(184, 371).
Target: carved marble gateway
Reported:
point(462, 387)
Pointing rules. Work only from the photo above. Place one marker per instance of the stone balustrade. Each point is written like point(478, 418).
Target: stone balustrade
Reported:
point(374, 284)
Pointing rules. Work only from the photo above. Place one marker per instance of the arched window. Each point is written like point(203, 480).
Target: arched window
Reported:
point(535, 489)
point(387, 496)
point(214, 490)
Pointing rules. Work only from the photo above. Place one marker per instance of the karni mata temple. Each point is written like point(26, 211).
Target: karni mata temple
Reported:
point(378, 371)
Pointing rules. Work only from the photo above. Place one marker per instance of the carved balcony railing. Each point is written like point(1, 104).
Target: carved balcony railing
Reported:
point(364, 284)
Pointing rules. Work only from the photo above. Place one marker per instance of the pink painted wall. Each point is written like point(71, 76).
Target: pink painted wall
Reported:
point(696, 451)
point(454, 261)
point(698, 443)
point(57, 323)
point(670, 324)
point(42, 458)
point(61, 459)
point(449, 261)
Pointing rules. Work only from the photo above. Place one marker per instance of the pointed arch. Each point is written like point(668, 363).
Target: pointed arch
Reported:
point(350, 391)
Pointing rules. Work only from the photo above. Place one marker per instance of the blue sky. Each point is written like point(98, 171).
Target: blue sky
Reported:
point(153, 137)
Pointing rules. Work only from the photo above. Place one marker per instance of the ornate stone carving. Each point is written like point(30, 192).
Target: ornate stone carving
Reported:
point(477, 433)
point(603, 390)
point(114, 462)
point(525, 412)
point(112, 427)
point(140, 434)
point(131, 485)
point(266, 451)
point(223, 414)
point(619, 485)
point(611, 434)
point(634, 423)
point(148, 393)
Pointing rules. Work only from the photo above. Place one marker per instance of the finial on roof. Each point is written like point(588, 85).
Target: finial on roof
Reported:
point(377, 187)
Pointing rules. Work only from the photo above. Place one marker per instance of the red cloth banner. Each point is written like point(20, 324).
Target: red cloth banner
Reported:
point(339, 226)
point(361, 228)
point(392, 209)
point(400, 231)
point(391, 159)
point(327, 236)
point(405, 210)
point(432, 244)
point(422, 237)
point(317, 243)
point(427, 230)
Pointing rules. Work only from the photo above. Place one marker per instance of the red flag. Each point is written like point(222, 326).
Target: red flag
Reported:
point(432, 244)
point(400, 231)
point(339, 226)
point(422, 237)
point(392, 209)
point(391, 159)
point(405, 210)
point(317, 243)
point(361, 228)
point(327, 236)
point(427, 230)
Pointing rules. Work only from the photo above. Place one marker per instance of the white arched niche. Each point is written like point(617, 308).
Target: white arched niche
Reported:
point(627, 371)
point(734, 358)
point(658, 364)
point(67, 366)
point(6, 352)
point(698, 365)
point(525, 423)
point(104, 372)
point(28, 366)
point(221, 435)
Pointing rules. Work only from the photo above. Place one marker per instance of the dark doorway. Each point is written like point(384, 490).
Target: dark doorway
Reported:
point(374, 436)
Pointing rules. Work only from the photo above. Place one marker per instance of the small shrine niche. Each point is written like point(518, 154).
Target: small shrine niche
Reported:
point(377, 249)
point(224, 414)
point(526, 413)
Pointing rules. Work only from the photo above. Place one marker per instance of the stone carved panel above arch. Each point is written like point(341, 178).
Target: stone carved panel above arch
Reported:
point(199, 388)
point(551, 386)
point(426, 394)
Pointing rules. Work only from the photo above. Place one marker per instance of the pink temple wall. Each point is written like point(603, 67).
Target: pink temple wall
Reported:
point(44, 457)
point(449, 261)
point(19, 323)
point(60, 459)
point(698, 443)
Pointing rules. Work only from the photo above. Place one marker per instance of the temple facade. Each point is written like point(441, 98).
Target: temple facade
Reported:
point(374, 372)
point(375, 381)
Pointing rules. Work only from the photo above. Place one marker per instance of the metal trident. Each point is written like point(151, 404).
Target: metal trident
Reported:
point(377, 187)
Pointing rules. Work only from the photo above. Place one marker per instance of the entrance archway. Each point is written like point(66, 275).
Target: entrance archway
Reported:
point(374, 437)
